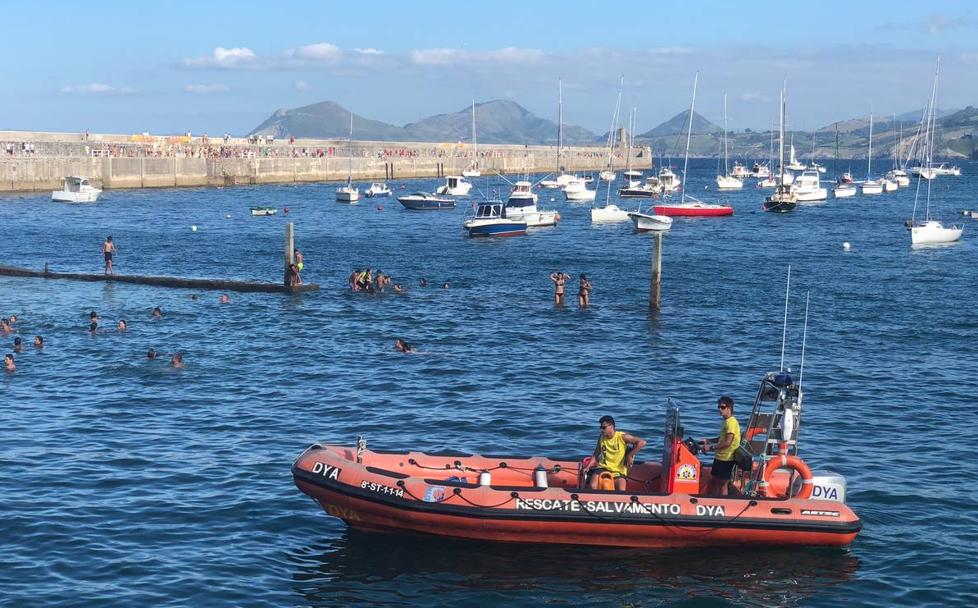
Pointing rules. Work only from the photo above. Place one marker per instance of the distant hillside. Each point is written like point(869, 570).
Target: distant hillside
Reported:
point(678, 125)
point(499, 121)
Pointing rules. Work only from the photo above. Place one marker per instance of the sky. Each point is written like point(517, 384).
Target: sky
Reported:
point(221, 66)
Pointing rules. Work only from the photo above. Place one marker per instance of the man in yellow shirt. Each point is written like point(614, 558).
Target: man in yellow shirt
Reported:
point(725, 445)
point(613, 453)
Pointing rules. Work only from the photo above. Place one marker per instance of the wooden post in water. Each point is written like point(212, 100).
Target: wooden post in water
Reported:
point(655, 283)
point(289, 249)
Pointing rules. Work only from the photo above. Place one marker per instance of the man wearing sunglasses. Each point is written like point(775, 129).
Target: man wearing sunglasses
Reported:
point(615, 453)
point(725, 445)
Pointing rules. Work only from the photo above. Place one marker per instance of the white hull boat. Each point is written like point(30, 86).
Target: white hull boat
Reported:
point(740, 172)
point(728, 182)
point(761, 172)
point(607, 176)
point(872, 187)
point(471, 173)
point(455, 185)
point(522, 193)
point(768, 182)
point(646, 222)
point(844, 191)
point(608, 214)
point(669, 181)
point(808, 188)
point(890, 185)
point(900, 177)
point(76, 190)
point(378, 189)
point(933, 232)
point(525, 210)
point(347, 194)
point(577, 190)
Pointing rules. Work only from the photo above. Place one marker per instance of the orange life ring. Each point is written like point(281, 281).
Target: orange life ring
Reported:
point(784, 461)
point(755, 431)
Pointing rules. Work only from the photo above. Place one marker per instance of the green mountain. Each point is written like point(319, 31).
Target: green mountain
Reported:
point(498, 121)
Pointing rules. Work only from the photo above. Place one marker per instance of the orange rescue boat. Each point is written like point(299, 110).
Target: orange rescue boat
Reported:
point(545, 500)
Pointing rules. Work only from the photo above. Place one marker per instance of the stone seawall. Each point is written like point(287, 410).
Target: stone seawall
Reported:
point(143, 161)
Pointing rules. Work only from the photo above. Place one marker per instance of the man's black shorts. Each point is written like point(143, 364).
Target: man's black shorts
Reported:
point(722, 469)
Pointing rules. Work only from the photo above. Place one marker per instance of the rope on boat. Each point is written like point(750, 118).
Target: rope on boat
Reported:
point(403, 486)
point(750, 504)
point(512, 496)
point(457, 466)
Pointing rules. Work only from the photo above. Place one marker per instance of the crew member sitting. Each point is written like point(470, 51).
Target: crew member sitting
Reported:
point(614, 454)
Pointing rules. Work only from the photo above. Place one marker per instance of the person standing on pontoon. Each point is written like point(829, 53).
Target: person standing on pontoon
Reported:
point(108, 250)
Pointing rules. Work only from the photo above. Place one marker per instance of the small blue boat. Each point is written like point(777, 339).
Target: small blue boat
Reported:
point(490, 220)
point(423, 201)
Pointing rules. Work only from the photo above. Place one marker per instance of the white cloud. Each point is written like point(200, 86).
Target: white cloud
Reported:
point(98, 89)
point(301, 85)
point(449, 56)
point(238, 57)
point(321, 51)
point(204, 89)
point(369, 51)
point(433, 56)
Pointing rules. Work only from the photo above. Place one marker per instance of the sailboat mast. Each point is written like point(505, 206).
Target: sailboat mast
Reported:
point(726, 153)
point(869, 165)
point(475, 142)
point(689, 134)
point(781, 137)
point(560, 120)
point(349, 175)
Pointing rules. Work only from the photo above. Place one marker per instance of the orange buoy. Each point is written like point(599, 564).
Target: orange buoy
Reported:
point(785, 461)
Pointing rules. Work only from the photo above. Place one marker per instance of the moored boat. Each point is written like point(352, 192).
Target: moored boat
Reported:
point(425, 201)
point(528, 499)
point(455, 185)
point(76, 190)
point(260, 211)
point(490, 220)
point(378, 189)
point(647, 222)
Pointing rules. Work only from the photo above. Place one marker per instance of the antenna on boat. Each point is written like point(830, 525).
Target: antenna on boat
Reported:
point(804, 338)
point(784, 330)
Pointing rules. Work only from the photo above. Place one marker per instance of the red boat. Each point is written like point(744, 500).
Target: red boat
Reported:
point(545, 500)
point(693, 208)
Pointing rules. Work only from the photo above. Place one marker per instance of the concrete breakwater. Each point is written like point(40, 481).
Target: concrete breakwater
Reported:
point(33, 161)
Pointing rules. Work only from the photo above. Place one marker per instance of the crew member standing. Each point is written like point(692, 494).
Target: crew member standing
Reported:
point(725, 445)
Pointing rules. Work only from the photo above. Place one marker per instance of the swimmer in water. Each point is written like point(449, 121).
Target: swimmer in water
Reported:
point(423, 282)
point(39, 341)
point(445, 285)
point(157, 313)
point(93, 327)
point(584, 292)
point(402, 346)
point(18, 344)
point(224, 298)
point(8, 363)
point(559, 278)
point(13, 319)
point(151, 354)
point(176, 360)
point(122, 325)
point(5, 326)
point(398, 288)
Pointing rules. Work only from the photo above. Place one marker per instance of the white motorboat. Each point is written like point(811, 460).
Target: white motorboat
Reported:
point(900, 177)
point(559, 182)
point(669, 181)
point(455, 185)
point(349, 193)
point(522, 192)
point(943, 169)
point(490, 219)
point(768, 182)
point(577, 190)
point(378, 189)
point(473, 169)
point(808, 189)
point(607, 176)
point(522, 209)
point(814, 166)
point(263, 211)
point(889, 185)
point(76, 190)
point(740, 171)
point(844, 190)
point(930, 231)
point(872, 186)
point(761, 171)
point(645, 222)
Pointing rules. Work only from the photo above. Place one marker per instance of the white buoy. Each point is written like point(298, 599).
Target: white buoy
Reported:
point(194, 228)
point(845, 246)
point(228, 216)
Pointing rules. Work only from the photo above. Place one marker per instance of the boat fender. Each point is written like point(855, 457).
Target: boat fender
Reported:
point(606, 481)
point(540, 476)
point(485, 478)
point(788, 424)
point(785, 461)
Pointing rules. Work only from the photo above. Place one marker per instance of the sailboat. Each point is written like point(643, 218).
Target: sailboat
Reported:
point(898, 174)
point(473, 170)
point(347, 193)
point(634, 187)
point(843, 188)
point(930, 230)
point(871, 186)
point(727, 181)
point(562, 179)
point(782, 200)
point(765, 179)
point(793, 163)
point(693, 207)
point(611, 212)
